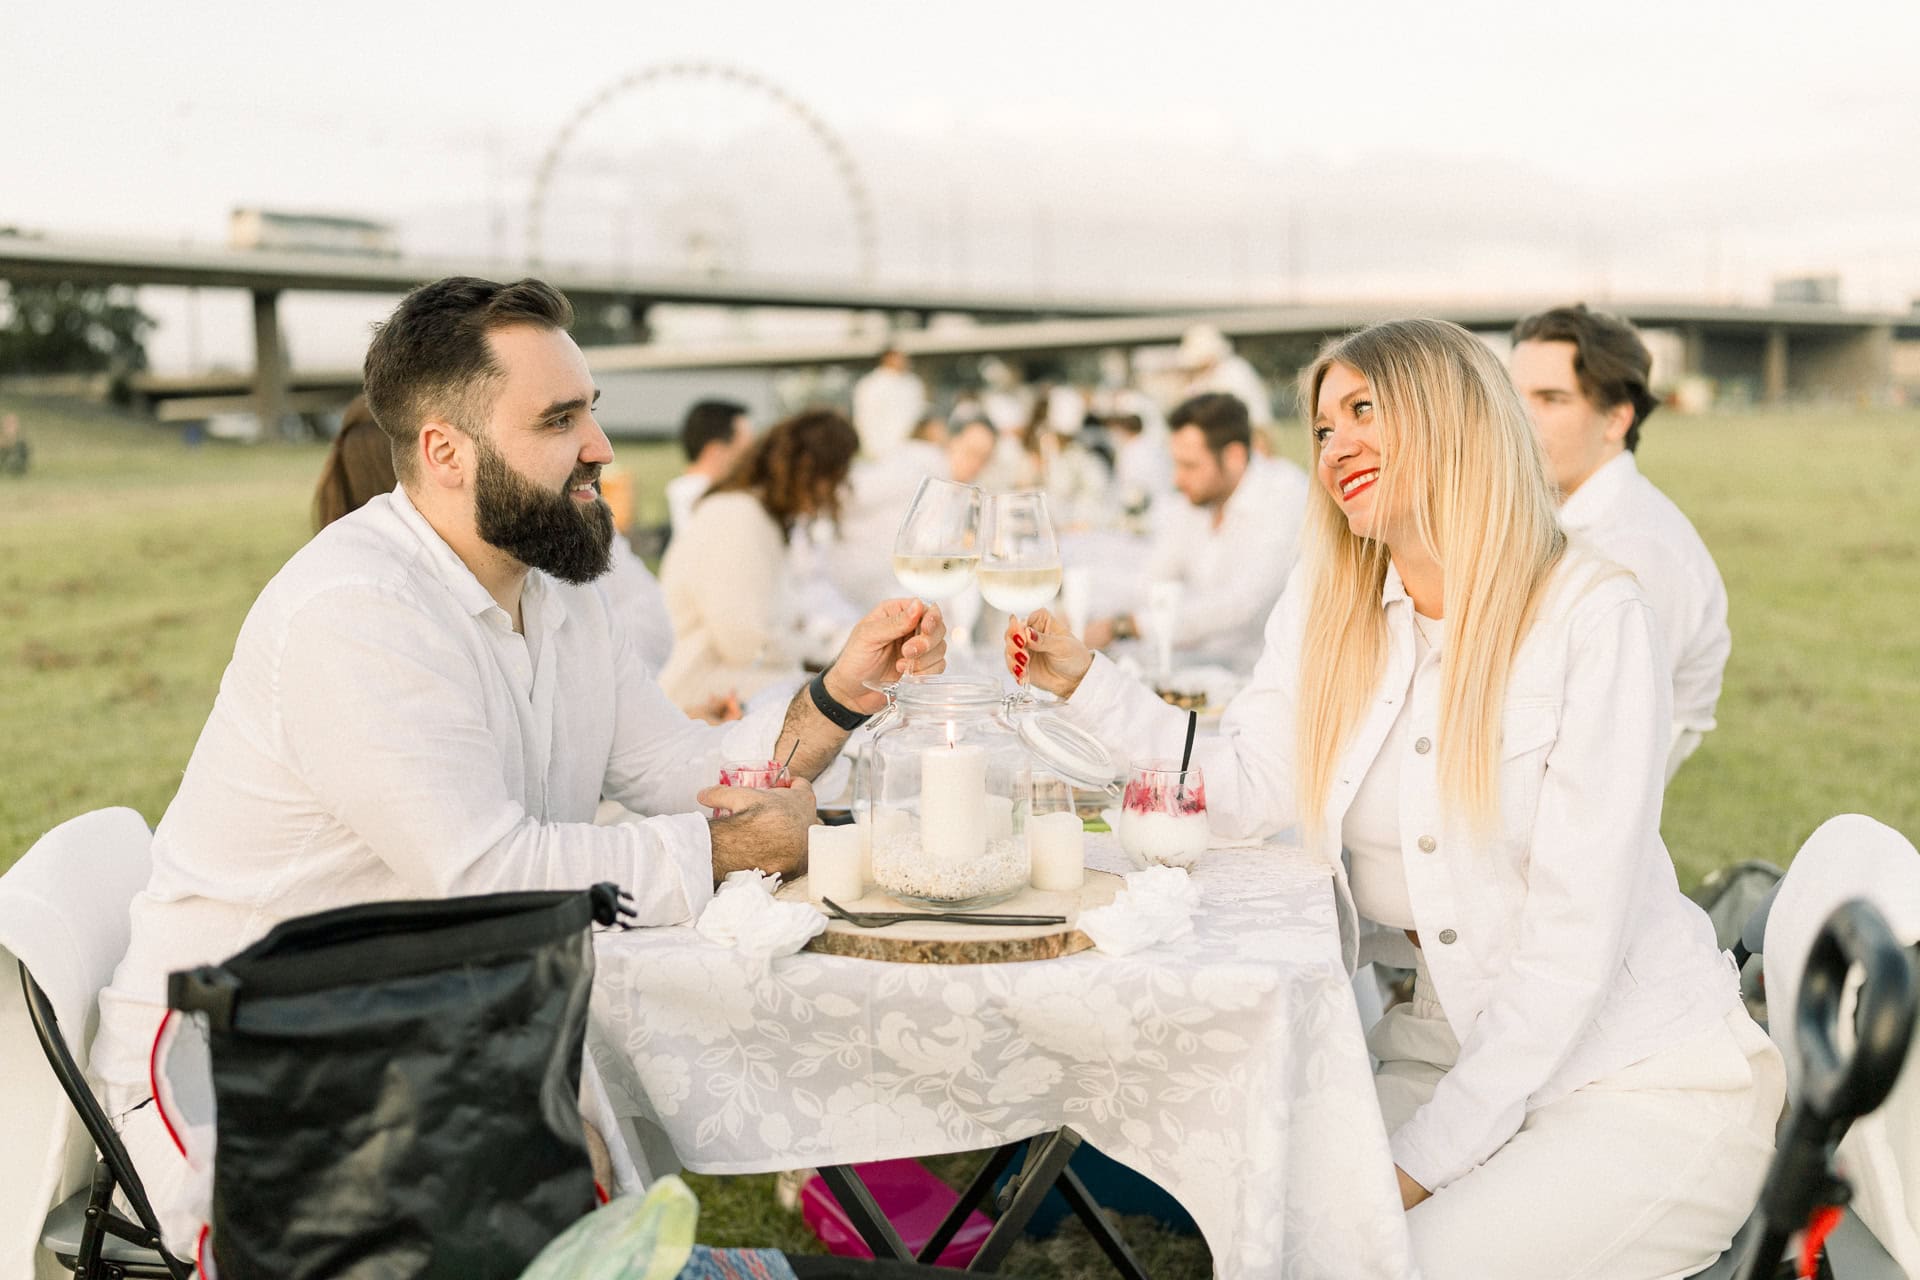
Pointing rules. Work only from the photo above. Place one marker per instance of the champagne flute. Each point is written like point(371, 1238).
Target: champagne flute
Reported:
point(1020, 558)
point(937, 548)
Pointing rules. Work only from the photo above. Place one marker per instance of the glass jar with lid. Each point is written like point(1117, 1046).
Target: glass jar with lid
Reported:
point(944, 787)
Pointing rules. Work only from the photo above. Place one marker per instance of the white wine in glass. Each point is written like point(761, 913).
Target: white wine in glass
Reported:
point(1019, 590)
point(934, 577)
point(1020, 559)
point(937, 548)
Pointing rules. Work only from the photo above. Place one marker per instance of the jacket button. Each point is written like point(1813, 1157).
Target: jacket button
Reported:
point(1428, 844)
point(1423, 746)
point(1448, 937)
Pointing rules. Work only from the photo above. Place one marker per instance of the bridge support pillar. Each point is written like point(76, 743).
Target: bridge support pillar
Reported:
point(1773, 367)
point(269, 362)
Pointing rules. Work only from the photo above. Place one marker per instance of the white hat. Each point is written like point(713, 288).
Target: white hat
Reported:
point(1201, 346)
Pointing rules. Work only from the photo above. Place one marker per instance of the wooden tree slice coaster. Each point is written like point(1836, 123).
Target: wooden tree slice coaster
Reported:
point(936, 942)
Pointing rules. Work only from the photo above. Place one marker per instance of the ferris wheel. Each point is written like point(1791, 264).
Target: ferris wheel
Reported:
point(835, 150)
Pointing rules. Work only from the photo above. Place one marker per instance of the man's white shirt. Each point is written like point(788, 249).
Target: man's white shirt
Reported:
point(1232, 574)
point(887, 405)
point(683, 491)
point(1620, 514)
point(383, 732)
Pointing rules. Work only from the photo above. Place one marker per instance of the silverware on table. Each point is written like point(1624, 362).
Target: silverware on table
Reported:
point(880, 919)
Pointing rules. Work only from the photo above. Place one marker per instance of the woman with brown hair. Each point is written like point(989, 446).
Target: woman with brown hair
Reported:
point(359, 466)
point(725, 574)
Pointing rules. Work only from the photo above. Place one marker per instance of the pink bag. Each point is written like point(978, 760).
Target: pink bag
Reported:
point(914, 1201)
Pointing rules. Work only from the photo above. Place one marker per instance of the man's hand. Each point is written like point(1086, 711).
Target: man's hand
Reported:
point(763, 830)
point(1042, 652)
point(1100, 633)
point(900, 637)
point(1411, 1192)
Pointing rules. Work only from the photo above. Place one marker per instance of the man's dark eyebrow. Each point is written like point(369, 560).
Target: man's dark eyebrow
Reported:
point(561, 407)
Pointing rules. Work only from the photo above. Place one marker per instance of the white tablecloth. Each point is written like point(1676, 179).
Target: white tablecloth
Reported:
point(1227, 1066)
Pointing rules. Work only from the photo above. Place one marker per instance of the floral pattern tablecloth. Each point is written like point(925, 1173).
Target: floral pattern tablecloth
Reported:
point(1228, 1066)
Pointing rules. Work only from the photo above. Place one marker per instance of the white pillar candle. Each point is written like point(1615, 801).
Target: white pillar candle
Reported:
point(833, 864)
point(1058, 845)
point(953, 803)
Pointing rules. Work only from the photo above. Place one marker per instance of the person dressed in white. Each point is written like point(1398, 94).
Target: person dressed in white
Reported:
point(858, 562)
point(1207, 360)
point(888, 402)
point(1231, 546)
point(1476, 714)
point(431, 697)
point(1142, 466)
point(713, 435)
point(727, 576)
point(1583, 376)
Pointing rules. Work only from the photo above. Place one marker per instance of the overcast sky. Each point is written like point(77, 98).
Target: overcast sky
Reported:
point(1245, 151)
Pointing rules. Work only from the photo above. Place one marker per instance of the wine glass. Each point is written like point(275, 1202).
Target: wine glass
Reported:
point(937, 548)
point(1019, 556)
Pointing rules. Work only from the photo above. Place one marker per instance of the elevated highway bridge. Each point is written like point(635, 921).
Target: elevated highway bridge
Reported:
point(1781, 351)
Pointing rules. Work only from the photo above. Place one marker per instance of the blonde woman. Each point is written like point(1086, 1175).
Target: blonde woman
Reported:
point(1469, 720)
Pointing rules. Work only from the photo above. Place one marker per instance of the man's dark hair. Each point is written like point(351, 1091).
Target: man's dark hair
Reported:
point(709, 422)
point(1609, 360)
point(1222, 418)
point(431, 356)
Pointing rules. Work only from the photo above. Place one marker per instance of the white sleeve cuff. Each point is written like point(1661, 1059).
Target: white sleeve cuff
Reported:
point(689, 845)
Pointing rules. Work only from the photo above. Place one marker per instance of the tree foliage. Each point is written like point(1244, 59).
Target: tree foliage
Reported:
point(71, 328)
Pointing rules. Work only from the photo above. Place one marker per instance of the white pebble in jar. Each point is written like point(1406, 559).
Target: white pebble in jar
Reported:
point(904, 868)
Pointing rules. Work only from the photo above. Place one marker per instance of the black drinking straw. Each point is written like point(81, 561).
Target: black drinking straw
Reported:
point(795, 748)
point(1186, 757)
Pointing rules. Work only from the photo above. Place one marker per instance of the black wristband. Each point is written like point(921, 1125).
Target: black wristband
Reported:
point(844, 717)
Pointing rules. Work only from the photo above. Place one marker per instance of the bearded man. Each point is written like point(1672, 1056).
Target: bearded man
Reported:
point(431, 697)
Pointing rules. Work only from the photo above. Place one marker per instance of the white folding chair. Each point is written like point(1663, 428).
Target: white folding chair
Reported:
point(63, 929)
point(1850, 857)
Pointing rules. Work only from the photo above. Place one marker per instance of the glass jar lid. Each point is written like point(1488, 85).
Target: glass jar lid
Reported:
point(1065, 748)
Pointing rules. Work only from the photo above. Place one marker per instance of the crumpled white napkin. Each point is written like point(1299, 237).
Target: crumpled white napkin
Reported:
point(746, 916)
point(1156, 906)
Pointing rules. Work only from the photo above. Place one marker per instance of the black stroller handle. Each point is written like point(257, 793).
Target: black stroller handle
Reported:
point(1836, 1088)
point(1847, 1088)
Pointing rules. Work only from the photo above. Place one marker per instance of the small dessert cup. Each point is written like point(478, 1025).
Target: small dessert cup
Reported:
point(1163, 814)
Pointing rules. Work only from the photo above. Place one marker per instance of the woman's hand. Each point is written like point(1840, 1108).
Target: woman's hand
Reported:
point(1411, 1192)
point(1042, 652)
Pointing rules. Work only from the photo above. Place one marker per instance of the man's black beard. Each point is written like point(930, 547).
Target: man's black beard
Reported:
point(551, 532)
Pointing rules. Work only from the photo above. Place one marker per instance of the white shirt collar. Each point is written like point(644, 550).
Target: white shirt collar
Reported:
point(454, 574)
point(1584, 508)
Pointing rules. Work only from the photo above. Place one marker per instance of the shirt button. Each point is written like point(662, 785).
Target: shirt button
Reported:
point(1422, 747)
point(1428, 844)
point(1448, 937)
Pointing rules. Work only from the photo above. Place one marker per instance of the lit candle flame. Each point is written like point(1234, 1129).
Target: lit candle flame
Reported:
point(949, 735)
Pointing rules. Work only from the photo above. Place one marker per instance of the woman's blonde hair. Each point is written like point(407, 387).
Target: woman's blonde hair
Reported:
point(1457, 451)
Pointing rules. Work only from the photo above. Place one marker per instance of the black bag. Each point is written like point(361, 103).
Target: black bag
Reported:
point(397, 1084)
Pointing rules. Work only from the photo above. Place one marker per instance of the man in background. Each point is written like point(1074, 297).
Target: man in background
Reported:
point(714, 433)
point(1207, 359)
point(1584, 376)
point(888, 403)
point(1231, 545)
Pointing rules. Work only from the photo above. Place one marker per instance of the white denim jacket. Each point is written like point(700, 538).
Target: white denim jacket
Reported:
point(1560, 945)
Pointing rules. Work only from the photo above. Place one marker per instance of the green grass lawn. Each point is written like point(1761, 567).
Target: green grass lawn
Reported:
point(128, 560)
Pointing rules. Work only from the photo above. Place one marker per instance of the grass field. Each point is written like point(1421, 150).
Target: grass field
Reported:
point(127, 562)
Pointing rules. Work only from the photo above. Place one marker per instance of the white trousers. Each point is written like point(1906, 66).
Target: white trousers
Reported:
point(1643, 1175)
